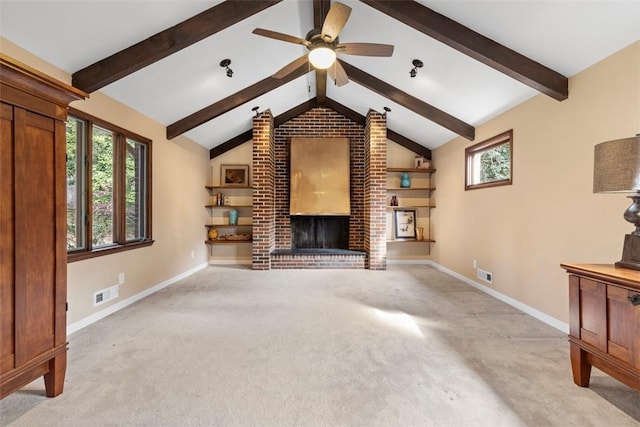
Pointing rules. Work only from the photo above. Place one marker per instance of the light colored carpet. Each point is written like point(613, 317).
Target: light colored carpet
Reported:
point(410, 346)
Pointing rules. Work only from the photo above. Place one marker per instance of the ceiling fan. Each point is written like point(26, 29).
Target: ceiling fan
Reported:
point(323, 46)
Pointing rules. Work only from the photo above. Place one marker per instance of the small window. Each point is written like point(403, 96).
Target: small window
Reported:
point(490, 163)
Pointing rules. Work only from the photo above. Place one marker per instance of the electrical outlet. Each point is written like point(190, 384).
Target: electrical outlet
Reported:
point(193, 254)
point(487, 276)
point(121, 278)
point(475, 263)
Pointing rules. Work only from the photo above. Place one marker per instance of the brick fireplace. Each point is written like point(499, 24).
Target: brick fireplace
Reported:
point(272, 235)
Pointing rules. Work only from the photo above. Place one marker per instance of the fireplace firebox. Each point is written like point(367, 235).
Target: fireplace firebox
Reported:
point(319, 232)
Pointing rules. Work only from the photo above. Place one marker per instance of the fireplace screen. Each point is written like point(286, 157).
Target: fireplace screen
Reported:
point(320, 175)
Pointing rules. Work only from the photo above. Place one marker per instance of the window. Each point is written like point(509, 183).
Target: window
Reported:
point(490, 163)
point(108, 188)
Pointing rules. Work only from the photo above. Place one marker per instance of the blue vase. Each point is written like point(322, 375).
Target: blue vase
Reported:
point(233, 217)
point(405, 180)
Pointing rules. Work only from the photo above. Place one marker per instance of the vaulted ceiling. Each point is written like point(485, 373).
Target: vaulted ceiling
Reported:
point(480, 58)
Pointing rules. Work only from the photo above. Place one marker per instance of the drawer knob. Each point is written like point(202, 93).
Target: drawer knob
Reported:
point(634, 299)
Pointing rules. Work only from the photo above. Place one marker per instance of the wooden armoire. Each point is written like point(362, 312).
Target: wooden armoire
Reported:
point(33, 249)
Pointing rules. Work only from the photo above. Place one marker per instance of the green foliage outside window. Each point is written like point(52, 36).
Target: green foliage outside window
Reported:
point(107, 188)
point(102, 187)
point(495, 164)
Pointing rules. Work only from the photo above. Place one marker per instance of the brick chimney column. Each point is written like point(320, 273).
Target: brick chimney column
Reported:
point(375, 191)
point(264, 217)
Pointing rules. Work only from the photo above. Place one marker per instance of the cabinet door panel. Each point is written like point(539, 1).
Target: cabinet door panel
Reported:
point(7, 324)
point(593, 306)
point(622, 324)
point(35, 242)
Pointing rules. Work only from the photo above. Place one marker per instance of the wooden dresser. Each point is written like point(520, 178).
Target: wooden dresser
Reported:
point(33, 241)
point(604, 322)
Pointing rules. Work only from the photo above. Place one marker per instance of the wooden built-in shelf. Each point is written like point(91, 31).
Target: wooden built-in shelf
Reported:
point(224, 241)
point(411, 170)
point(410, 241)
point(411, 188)
point(410, 207)
point(215, 187)
point(228, 225)
point(228, 206)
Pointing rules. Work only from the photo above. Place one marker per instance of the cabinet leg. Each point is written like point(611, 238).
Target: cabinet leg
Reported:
point(580, 367)
point(54, 379)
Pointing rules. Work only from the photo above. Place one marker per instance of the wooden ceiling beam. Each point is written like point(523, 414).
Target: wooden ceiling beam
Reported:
point(475, 45)
point(231, 144)
point(294, 112)
point(167, 42)
point(308, 105)
point(410, 102)
point(229, 103)
point(320, 10)
point(409, 144)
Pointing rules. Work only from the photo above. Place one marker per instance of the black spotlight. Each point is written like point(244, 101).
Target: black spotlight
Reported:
point(416, 64)
point(225, 64)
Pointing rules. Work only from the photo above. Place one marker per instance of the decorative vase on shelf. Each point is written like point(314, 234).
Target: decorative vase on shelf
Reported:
point(394, 201)
point(213, 234)
point(233, 217)
point(405, 180)
point(419, 233)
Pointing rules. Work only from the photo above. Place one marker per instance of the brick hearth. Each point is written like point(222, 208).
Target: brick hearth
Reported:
point(271, 224)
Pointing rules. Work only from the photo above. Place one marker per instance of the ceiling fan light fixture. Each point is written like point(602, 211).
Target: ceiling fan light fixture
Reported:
point(322, 57)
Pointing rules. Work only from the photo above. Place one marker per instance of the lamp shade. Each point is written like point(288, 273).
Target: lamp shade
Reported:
point(616, 167)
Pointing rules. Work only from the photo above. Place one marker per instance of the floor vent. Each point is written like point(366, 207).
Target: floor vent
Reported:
point(485, 275)
point(105, 295)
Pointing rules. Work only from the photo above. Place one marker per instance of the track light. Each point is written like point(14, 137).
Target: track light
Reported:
point(255, 110)
point(416, 64)
point(225, 64)
point(386, 110)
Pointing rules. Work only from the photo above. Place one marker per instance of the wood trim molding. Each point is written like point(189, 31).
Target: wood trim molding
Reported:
point(34, 83)
point(167, 42)
point(475, 45)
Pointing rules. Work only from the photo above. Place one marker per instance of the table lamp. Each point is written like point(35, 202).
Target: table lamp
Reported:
point(616, 169)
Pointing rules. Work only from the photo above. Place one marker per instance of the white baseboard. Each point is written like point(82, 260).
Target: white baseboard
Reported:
point(238, 261)
point(76, 326)
point(543, 317)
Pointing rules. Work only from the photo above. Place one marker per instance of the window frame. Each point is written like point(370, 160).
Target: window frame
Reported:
point(479, 148)
point(120, 242)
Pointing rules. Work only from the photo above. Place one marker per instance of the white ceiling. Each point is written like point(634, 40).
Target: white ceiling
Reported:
point(566, 36)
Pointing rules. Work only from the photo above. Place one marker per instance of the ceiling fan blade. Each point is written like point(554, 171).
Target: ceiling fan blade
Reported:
point(365, 49)
point(335, 21)
point(290, 67)
point(338, 74)
point(280, 36)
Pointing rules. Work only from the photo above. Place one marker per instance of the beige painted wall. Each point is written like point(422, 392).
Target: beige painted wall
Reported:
point(549, 215)
point(180, 169)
